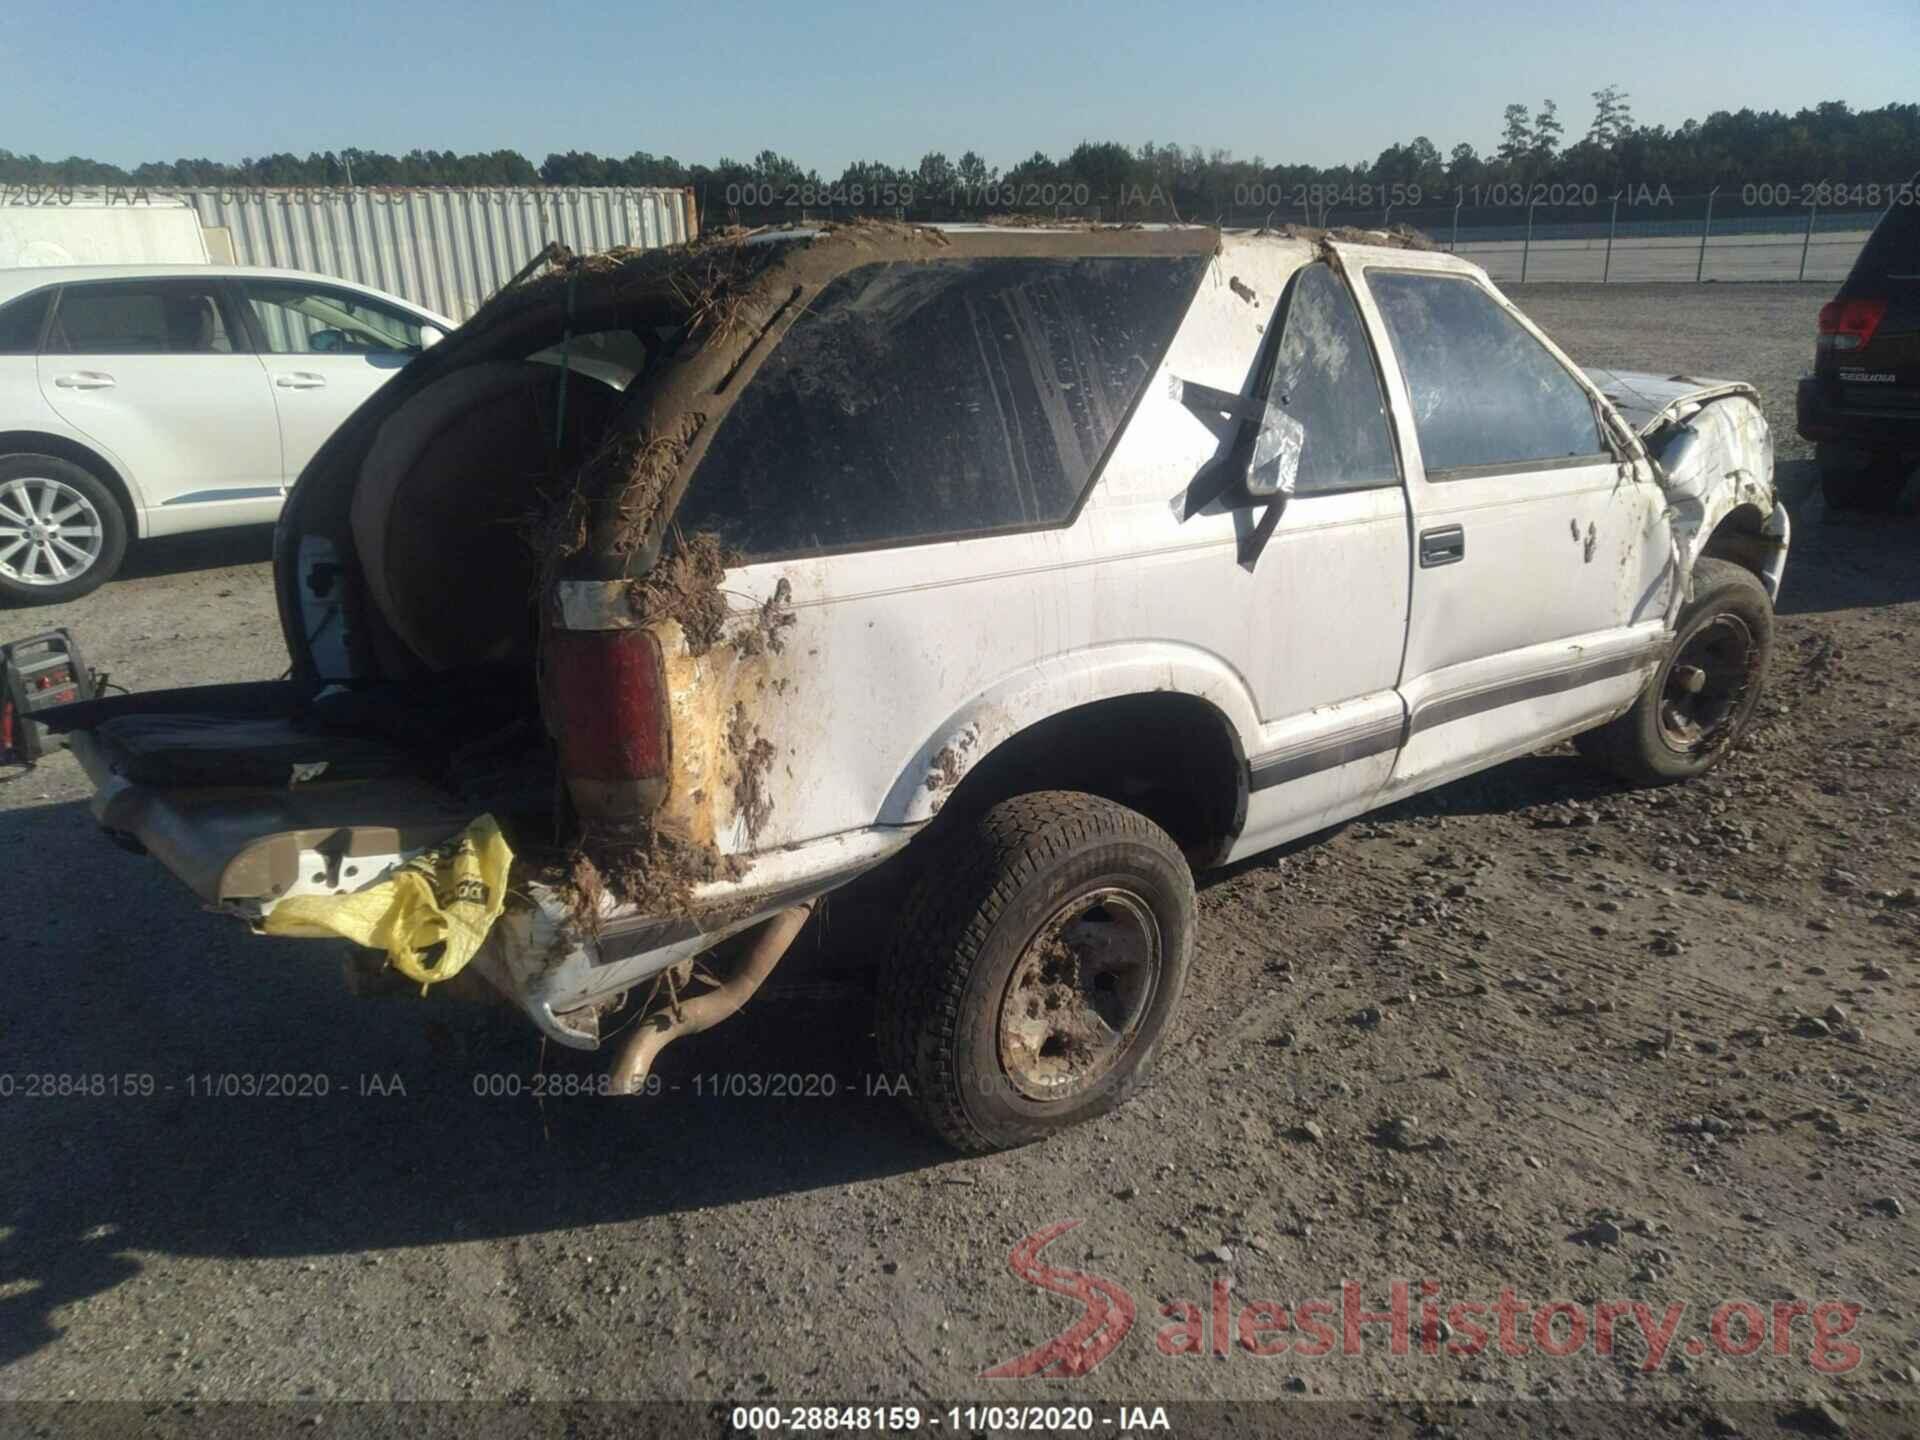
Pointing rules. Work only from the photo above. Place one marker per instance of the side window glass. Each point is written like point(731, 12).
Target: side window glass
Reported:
point(938, 400)
point(1484, 391)
point(1323, 375)
point(304, 320)
point(21, 322)
point(140, 319)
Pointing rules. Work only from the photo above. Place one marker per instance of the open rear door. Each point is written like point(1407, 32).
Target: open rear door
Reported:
point(237, 791)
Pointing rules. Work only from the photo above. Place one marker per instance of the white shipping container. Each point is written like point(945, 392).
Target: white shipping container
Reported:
point(153, 232)
point(446, 248)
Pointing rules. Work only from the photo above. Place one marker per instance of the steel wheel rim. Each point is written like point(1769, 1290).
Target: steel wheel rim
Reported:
point(1705, 685)
point(1078, 994)
point(50, 533)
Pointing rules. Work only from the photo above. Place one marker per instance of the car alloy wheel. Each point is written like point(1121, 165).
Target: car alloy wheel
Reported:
point(49, 532)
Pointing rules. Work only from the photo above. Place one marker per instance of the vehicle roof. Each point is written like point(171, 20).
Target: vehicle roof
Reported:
point(18, 280)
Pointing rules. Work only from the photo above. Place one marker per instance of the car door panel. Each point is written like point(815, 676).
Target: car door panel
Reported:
point(1313, 613)
point(1539, 585)
point(1541, 556)
point(1465, 717)
point(313, 394)
point(133, 367)
point(326, 349)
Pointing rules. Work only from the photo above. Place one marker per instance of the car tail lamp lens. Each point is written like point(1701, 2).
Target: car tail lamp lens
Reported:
point(1849, 324)
point(607, 698)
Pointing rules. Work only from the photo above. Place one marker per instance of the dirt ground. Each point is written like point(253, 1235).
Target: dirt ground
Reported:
point(1528, 1031)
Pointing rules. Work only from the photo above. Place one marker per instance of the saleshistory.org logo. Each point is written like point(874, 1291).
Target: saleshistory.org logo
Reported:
point(1314, 1328)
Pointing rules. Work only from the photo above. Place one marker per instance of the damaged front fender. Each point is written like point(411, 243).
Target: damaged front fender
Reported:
point(1716, 469)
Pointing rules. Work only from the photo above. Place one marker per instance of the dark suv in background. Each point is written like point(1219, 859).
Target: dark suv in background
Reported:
point(1861, 404)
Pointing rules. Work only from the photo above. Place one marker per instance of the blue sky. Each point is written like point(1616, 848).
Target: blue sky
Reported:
point(834, 80)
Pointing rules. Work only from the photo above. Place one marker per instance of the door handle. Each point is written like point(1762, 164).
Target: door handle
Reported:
point(301, 380)
point(85, 380)
point(1444, 545)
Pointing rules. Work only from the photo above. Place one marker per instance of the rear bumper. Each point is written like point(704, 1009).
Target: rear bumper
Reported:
point(539, 959)
point(243, 849)
point(1820, 418)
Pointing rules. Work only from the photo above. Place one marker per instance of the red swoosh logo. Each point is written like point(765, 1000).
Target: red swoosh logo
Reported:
point(1090, 1339)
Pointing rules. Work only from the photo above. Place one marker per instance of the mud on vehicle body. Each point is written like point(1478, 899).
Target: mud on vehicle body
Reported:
point(1018, 572)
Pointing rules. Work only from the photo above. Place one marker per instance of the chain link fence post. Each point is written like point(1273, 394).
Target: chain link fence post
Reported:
point(1706, 229)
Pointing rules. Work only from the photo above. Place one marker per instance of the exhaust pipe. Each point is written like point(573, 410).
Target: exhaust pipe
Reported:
point(703, 1012)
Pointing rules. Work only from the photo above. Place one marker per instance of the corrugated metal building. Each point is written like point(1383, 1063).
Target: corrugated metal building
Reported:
point(447, 249)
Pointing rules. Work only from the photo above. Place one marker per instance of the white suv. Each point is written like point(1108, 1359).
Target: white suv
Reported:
point(148, 400)
point(1006, 576)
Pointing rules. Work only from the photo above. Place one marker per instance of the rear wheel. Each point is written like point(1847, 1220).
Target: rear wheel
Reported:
point(62, 532)
point(1037, 968)
point(1859, 479)
point(1699, 701)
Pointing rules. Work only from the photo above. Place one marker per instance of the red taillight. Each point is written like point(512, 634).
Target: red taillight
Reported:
point(1849, 324)
point(607, 700)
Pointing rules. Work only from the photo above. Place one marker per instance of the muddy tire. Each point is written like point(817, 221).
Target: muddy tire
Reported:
point(1700, 700)
point(63, 533)
point(1036, 969)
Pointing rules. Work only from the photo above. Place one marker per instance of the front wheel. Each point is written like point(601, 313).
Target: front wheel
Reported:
point(62, 532)
point(1701, 698)
point(1037, 968)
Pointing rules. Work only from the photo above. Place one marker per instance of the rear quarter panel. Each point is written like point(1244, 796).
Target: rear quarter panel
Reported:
point(903, 668)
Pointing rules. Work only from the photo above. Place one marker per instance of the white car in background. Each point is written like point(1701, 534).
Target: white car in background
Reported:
point(138, 401)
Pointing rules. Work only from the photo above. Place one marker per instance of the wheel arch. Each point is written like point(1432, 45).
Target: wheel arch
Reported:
point(42, 442)
point(1161, 733)
point(1752, 539)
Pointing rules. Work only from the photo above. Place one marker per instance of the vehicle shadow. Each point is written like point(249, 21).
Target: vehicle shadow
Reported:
point(198, 550)
point(1556, 777)
point(1849, 559)
point(129, 1129)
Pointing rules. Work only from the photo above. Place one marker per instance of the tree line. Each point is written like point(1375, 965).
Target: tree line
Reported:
point(1827, 144)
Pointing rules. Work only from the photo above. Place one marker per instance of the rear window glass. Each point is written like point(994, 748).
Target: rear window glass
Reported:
point(1484, 391)
point(21, 322)
point(1892, 252)
point(167, 319)
point(922, 401)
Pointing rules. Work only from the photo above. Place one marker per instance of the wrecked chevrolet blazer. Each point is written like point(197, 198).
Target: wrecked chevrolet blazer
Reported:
point(1003, 576)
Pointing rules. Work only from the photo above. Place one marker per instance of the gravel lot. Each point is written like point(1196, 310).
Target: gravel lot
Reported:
point(1582, 1006)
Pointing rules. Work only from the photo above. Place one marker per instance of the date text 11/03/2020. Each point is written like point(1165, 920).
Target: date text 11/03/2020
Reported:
point(961, 1419)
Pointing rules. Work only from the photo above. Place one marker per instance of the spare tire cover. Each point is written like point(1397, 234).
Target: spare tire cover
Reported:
point(442, 513)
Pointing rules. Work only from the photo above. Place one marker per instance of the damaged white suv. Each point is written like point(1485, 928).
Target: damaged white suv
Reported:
point(1014, 573)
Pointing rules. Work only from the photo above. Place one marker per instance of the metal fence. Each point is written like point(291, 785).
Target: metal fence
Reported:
point(1638, 236)
point(1676, 238)
point(1634, 237)
point(446, 249)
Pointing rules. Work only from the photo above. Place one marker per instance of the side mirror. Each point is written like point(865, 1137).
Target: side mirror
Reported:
point(431, 335)
point(1276, 454)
